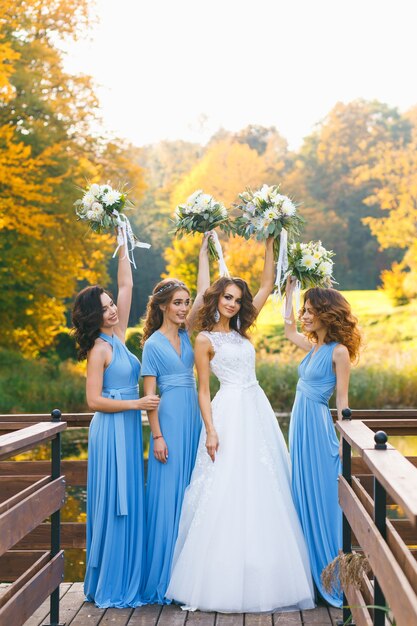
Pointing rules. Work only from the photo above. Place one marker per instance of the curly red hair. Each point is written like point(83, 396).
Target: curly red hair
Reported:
point(334, 311)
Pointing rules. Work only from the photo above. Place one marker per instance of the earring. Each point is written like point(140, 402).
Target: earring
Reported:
point(216, 315)
point(238, 324)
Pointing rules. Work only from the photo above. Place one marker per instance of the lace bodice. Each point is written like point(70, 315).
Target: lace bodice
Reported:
point(234, 358)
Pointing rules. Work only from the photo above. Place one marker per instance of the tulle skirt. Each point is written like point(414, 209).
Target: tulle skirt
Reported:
point(240, 547)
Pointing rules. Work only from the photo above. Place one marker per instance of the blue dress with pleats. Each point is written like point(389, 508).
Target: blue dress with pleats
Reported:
point(115, 491)
point(314, 449)
point(180, 421)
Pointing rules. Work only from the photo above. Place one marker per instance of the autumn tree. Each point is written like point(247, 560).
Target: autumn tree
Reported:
point(330, 164)
point(394, 180)
point(45, 149)
point(225, 170)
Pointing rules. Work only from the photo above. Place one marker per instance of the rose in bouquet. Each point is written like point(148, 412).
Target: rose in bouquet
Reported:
point(202, 213)
point(311, 264)
point(267, 213)
point(102, 208)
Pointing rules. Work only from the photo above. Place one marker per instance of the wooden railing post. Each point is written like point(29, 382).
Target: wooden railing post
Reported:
point(55, 518)
point(380, 513)
point(346, 530)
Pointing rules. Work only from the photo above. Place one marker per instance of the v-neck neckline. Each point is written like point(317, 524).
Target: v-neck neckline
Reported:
point(179, 355)
point(314, 354)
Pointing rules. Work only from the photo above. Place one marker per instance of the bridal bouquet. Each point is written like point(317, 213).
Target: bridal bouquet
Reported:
point(199, 214)
point(311, 264)
point(102, 207)
point(267, 213)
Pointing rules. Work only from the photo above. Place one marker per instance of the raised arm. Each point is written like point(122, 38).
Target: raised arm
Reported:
point(341, 363)
point(124, 296)
point(203, 282)
point(203, 352)
point(290, 326)
point(268, 275)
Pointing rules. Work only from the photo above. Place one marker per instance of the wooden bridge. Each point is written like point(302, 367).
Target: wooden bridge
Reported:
point(31, 562)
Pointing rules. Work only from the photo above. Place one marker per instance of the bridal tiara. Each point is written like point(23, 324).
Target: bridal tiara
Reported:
point(170, 285)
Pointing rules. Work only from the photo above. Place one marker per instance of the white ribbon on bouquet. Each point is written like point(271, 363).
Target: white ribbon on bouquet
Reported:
point(222, 263)
point(295, 290)
point(282, 263)
point(126, 238)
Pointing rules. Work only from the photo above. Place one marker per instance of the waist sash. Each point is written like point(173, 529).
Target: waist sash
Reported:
point(252, 383)
point(120, 444)
point(172, 381)
point(318, 391)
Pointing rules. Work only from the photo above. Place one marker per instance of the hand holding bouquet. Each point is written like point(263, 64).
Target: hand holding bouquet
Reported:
point(267, 213)
point(102, 207)
point(309, 265)
point(199, 214)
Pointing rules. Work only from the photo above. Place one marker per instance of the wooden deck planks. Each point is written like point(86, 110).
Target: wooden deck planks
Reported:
point(42, 611)
point(319, 616)
point(147, 615)
point(291, 618)
point(74, 611)
point(258, 619)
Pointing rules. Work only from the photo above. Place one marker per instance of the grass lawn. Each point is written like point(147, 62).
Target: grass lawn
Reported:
point(390, 333)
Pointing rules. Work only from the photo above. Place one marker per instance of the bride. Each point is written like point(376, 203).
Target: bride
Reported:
point(240, 547)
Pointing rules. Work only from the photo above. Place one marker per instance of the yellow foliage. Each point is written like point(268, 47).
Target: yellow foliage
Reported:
point(395, 180)
point(245, 259)
point(226, 169)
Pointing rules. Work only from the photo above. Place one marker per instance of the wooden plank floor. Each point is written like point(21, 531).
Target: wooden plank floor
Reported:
point(75, 612)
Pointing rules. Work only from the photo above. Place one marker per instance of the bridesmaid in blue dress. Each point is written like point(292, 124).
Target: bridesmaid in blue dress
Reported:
point(115, 481)
point(168, 361)
point(332, 340)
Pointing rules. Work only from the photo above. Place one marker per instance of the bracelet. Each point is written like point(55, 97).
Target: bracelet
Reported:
point(157, 437)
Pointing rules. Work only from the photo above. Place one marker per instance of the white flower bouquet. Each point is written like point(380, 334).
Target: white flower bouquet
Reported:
point(200, 214)
point(267, 213)
point(102, 207)
point(311, 264)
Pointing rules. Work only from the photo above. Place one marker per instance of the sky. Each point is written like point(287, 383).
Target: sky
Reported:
point(182, 69)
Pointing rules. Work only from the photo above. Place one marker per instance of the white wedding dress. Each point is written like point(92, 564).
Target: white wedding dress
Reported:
point(240, 547)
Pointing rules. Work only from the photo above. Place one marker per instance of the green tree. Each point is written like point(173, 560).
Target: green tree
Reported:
point(45, 148)
point(330, 163)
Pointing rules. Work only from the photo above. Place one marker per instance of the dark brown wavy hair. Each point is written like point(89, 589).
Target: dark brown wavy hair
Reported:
point(247, 311)
point(162, 293)
point(87, 318)
point(334, 311)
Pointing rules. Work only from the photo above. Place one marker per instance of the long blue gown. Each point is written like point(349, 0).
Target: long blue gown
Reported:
point(314, 450)
point(180, 421)
point(115, 491)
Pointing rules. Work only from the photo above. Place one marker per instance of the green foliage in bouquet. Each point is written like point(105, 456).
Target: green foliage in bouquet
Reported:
point(311, 264)
point(101, 206)
point(265, 213)
point(199, 214)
